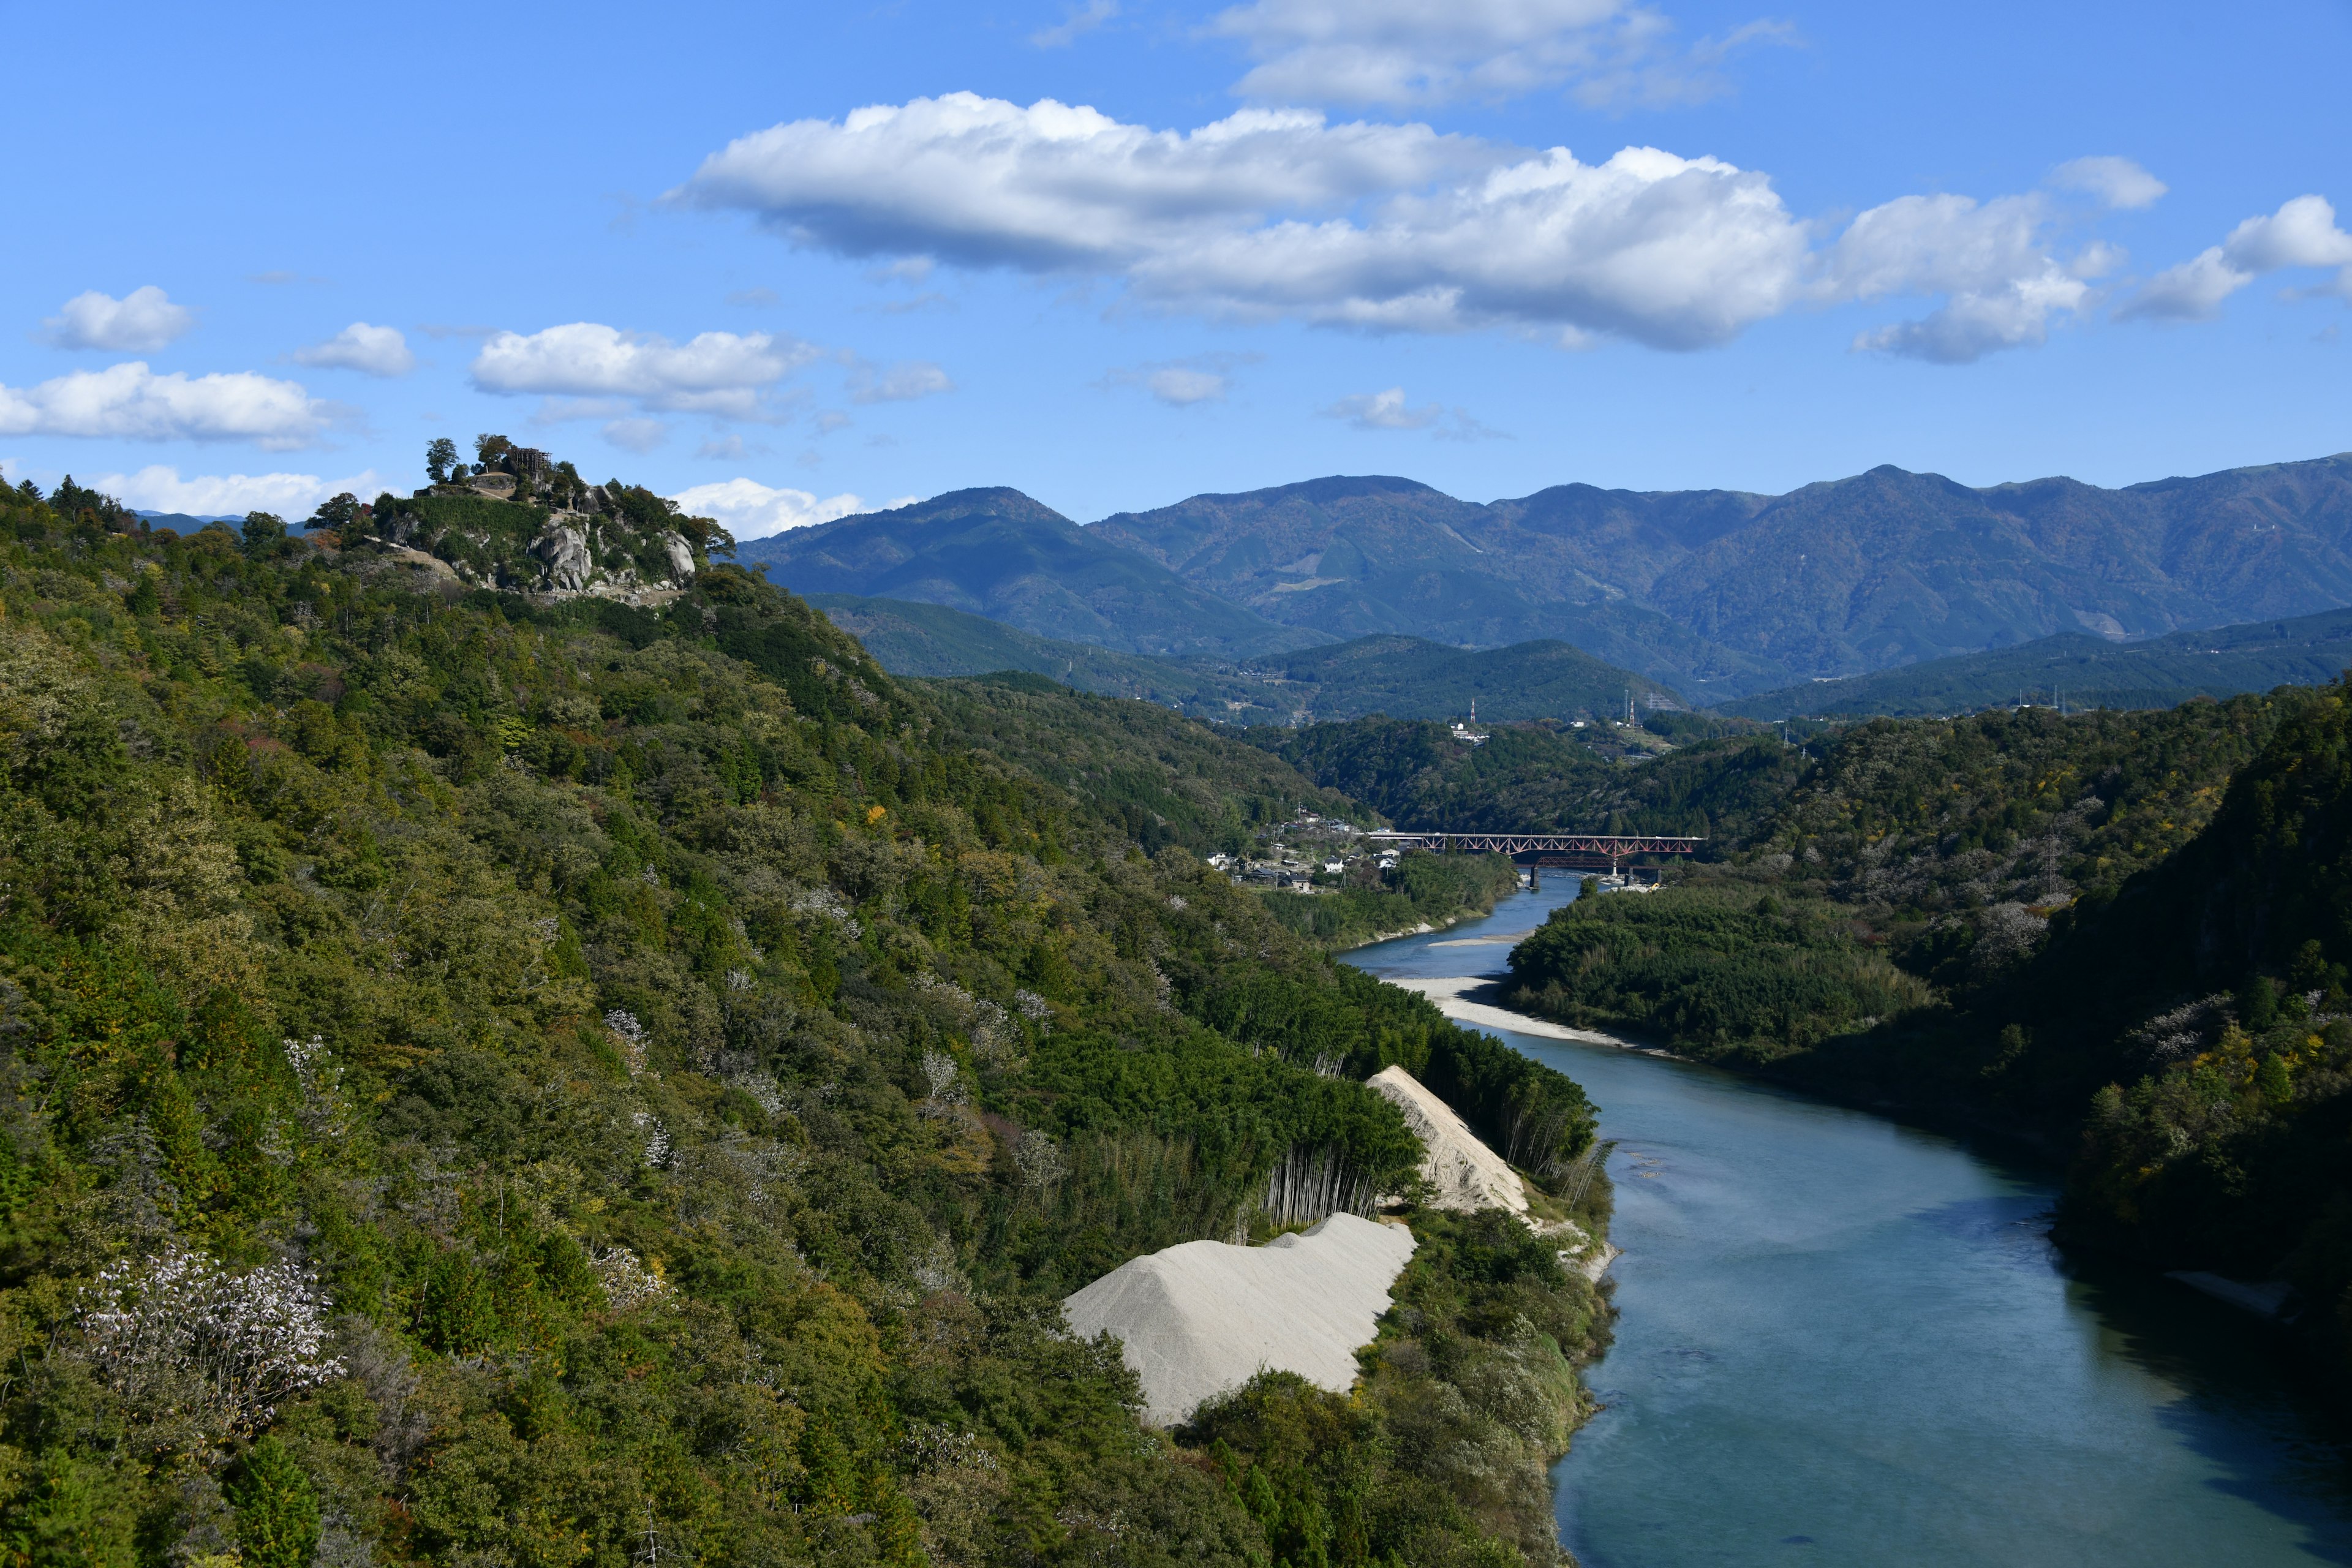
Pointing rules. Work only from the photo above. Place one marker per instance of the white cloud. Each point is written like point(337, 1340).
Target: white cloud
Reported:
point(1673, 252)
point(637, 435)
point(1384, 411)
point(129, 402)
point(2302, 234)
point(377, 351)
point(1403, 52)
point(1990, 260)
point(2118, 182)
point(900, 383)
point(1252, 216)
point(1085, 19)
point(750, 509)
point(140, 322)
point(159, 489)
point(1053, 187)
point(723, 374)
point(1281, 214)
point(1974, 323)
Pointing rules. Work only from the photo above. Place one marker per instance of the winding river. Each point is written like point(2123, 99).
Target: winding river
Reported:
point(1843, 1341)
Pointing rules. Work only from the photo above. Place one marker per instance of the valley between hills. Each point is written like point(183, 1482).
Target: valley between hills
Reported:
point(516, 1015)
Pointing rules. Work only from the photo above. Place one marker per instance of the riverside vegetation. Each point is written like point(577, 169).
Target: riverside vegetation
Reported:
point(498, 1081)
point(2125, 933)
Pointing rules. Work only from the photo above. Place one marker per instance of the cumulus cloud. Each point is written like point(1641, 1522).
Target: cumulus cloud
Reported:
point(160, 488)
point(1974, 323)
point(1405, 52)
point(140, 322)
point(1990, 260)
point(750, 509)
point(2302, 234)
point(2117, 181)
point(376, 350)
point(1052, 187)
point(1255, 215)
point(129, 402)
point(901, 382)
point(1283, 215)
point(724, 373)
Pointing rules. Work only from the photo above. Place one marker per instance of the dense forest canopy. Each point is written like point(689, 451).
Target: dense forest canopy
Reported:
point(548, 1079)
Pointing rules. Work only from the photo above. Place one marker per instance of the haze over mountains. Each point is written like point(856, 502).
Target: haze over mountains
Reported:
point(1718, 594)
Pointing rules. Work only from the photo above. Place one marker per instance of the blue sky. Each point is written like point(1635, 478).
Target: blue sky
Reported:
point(764, 257)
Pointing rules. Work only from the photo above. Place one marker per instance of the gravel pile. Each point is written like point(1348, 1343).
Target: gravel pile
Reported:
point(1198, 1319)
point(1466, 1174)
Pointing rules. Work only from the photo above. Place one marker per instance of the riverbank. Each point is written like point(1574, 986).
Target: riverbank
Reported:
point(1477, 999)
point(1424, 892)
point(1836, 1331)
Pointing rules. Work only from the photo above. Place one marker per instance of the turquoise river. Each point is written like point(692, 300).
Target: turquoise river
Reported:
point(1843, 1341)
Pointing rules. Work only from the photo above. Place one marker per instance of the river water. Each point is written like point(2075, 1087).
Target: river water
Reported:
point(1843, 1341)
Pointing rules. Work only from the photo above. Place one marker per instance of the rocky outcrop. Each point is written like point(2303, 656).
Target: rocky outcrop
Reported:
point(563, 549)
point(1463, 1173)
point(1200, 1320)
point(681, 557)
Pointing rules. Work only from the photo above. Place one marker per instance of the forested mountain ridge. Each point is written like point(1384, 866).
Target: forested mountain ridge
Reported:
point(2076, 670)
point(494, 1079)
point(999, 553)
point(1711, 591)
point(1406, 677)
point(1530, 778)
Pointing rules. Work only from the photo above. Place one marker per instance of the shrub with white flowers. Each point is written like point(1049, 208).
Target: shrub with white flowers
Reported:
point(178, 1334)
point(627, 1281)
point(631, 1037)
point(656, 1137)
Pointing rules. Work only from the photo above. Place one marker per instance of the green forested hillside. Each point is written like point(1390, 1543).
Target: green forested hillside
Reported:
point(2128, 934)
point(1408, 677)
point(1401, 677)
point(931, 640)
point(999, 553)
point(1534, 779)
point(1911, 865)
point(492, 1081)
point(2076, 670)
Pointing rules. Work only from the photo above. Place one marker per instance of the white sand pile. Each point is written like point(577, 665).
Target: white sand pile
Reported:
point(1464, 1174)
point(1203, 1318)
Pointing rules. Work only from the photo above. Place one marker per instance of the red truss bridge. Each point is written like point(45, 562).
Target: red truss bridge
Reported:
point(1572, 850)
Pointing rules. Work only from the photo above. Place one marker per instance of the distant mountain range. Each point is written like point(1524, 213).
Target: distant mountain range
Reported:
point(184, 522)
point(996, 552)
point(1404, 677)
point(1718, 594)
point(2079, 671)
